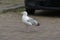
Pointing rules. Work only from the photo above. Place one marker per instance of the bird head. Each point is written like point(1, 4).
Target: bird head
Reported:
point(24, 13)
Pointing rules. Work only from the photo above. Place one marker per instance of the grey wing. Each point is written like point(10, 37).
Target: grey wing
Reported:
point(32, 21)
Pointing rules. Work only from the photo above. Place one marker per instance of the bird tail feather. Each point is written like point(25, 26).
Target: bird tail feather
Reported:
point(38, 24)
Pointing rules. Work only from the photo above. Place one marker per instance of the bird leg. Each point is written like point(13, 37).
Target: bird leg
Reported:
point(27, 28)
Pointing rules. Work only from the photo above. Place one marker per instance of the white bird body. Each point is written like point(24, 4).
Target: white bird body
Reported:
point(24, 20)
point(28, 20)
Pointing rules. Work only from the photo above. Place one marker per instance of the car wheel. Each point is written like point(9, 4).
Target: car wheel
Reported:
point(30, 11)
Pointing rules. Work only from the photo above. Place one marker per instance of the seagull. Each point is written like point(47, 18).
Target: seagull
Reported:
point(28, 20)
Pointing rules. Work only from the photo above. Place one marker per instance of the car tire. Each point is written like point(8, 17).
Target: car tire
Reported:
point(30, 11)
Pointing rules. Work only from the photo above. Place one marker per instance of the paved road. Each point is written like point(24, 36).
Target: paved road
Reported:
point(11, 27)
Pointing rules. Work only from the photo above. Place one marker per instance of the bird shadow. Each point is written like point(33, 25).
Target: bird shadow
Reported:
point(48, 13)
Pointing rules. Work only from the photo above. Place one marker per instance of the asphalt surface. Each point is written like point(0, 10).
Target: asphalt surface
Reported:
point(12, 28)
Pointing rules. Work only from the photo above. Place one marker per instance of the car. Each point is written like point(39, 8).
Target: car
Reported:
point(32, 5)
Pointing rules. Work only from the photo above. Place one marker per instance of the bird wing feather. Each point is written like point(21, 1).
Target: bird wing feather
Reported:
point(32, 21)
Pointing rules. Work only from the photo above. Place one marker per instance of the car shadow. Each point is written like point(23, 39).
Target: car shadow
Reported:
point(48, 13)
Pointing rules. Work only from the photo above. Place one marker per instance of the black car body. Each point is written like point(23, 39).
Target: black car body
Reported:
point(32, 5)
